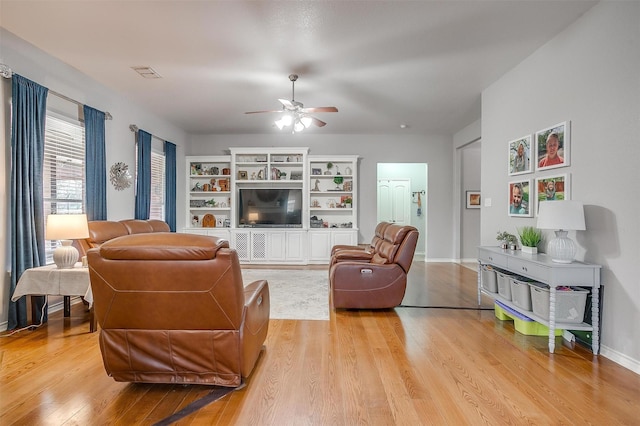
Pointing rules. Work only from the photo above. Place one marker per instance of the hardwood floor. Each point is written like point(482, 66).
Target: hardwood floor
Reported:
point(406, 366)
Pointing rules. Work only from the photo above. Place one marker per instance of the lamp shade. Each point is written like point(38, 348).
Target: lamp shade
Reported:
point(562, 214)
point(67, 227)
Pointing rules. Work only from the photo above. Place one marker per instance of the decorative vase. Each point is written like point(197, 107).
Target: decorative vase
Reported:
point(530, 250)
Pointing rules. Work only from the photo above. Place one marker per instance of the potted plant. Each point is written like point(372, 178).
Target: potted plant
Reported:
point(507, 240)
point(348, 202)
point(530, 237)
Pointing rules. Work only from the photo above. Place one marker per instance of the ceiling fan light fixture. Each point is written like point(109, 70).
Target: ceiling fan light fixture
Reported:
point(279, 124)
point(306, 121)
point(298, 126)
point(287, 119)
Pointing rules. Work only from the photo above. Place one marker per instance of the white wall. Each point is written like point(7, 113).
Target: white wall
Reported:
point(590, 75)
point(34, 64)
point(373, 149)
point(469, 218)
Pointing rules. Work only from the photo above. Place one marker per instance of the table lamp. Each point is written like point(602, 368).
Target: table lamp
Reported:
point(66, 227)
point(563, 216)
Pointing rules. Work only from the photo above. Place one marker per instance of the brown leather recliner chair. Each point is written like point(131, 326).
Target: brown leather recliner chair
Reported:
point(379, 282)
point(172, 309)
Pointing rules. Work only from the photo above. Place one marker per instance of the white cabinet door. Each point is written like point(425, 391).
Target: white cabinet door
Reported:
point(277, 246)
point(349, 238)
point(319, 245)
point(259, 246)
point(295, 250)
point(241, 242)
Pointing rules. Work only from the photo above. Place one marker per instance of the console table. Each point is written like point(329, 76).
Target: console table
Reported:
point(49, 280)
point(539, 267)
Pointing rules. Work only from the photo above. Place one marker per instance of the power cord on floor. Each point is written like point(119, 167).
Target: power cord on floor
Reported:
point(468, 308)
point(32, 326)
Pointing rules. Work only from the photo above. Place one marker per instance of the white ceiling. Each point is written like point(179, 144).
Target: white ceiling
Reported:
point(381, 63)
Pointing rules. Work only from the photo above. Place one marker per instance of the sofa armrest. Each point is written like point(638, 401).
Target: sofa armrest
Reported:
point(341, 247)
point(255, 324)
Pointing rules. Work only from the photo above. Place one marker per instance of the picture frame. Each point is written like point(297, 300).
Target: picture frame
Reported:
point(242, 175)
point(295, 175)
point(556, 152)
point(520, 199)
point(316, 172)
point(473, 199)
point(553, 188)
point(520, 156)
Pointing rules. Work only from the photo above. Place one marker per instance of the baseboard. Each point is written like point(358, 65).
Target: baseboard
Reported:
point(55, 307)
point(619, 358)
point(440, 260)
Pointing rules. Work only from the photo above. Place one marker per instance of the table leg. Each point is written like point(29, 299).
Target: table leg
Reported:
point(479, 283)
point(595, 320)
point(67, 306)
point(92, 320)
point(552, 319)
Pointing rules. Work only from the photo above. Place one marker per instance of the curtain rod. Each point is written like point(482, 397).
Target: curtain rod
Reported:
point(6, 72)
point(135, 129)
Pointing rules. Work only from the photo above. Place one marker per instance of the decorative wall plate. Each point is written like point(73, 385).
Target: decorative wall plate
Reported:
point(120, 176)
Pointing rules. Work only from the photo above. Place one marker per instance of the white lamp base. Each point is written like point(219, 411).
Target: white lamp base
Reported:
point(65, 256)
point(562, 249)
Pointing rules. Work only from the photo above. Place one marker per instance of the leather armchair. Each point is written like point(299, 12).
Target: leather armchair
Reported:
point(172, 309)
point(379, 282)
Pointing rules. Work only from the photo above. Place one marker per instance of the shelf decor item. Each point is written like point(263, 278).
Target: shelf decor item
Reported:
point(506, 239)
point(530, 237)
point(563, 216)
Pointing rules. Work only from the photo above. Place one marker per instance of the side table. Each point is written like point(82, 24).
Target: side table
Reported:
point(49, 280)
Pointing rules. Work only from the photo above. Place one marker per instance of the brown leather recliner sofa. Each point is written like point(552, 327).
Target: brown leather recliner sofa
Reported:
point(173, 309)
point(340, 253)
point(375, 278)
point(101, 231)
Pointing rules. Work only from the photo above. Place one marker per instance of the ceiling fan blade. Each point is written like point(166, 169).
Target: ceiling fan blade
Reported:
point(320, 109)
point(286, 103)
point(258, 112)
point(318, 123)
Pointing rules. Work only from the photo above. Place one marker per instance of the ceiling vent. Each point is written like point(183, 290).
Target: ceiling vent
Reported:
point(146, 72)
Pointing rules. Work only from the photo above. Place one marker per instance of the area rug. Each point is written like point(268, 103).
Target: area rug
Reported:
point(295, 294)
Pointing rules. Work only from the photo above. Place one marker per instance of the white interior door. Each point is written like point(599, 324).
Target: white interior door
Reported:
point(394, 201)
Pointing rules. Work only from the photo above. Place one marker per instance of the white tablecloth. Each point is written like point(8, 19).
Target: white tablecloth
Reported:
point(49, 280)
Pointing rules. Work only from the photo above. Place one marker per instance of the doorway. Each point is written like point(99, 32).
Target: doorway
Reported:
point(402, 197)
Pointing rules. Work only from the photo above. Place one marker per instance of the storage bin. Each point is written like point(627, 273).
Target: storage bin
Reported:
point(520, 292)
point(570, 302)
point(504, 286)
point(489, 282)
point(522, 323)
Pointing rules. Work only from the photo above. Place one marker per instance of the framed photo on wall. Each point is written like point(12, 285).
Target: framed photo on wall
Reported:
point(520, 198)
point(553, 146)
point(553, 188)
point(473, 199)
point(520, 156)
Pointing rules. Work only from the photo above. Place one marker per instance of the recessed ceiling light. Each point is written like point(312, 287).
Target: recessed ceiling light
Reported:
point(404, 126)
point(146, 72)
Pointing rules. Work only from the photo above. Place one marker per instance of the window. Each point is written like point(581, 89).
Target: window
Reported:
point(63, 171)
point(157, 186)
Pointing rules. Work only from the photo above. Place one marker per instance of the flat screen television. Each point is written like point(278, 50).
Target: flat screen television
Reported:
point(270, 207)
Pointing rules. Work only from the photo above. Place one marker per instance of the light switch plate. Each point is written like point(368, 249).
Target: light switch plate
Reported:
point(487, 202)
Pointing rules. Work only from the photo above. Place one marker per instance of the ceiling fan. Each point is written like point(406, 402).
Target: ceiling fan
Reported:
point(295, 114)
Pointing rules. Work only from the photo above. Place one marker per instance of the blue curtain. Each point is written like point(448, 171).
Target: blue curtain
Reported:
point(170, 184)
point(28, 114)
point(143, 181)
point(95, 164)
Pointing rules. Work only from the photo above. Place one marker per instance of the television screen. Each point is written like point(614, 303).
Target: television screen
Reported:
point(269, 207)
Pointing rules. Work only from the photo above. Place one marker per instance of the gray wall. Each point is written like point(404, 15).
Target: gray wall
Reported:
point(373, 149)
point(469, 218)
point(590, 75)
point(34, 64)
